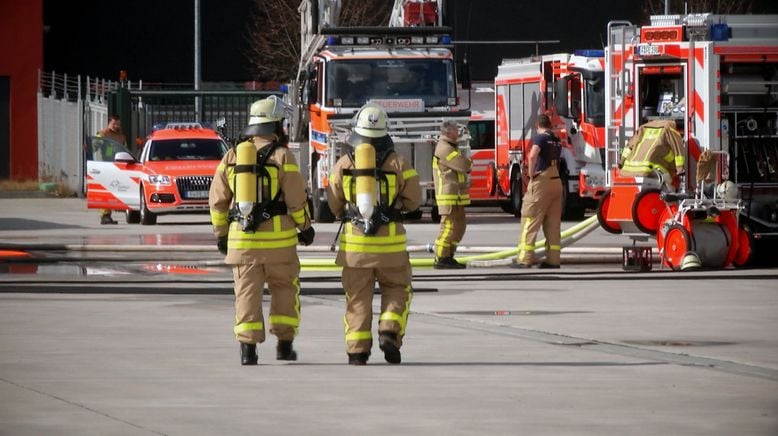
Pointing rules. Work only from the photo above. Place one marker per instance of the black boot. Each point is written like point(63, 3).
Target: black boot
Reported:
point(448, 263)
point(284, 351)
point(248, 354)
point(358, 358)
point(388, 343)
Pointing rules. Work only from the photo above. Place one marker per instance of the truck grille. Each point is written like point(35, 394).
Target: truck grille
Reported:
point(194, 187)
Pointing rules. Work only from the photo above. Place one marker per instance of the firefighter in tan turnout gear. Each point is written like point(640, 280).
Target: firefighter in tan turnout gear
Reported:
point(258, 202)
point(369, 189)
point(450, 171)
point(542, 204)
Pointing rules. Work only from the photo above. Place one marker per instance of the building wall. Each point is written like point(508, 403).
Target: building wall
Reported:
point(21, 56)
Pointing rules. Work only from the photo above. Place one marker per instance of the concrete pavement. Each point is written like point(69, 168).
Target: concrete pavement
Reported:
point(104, 345)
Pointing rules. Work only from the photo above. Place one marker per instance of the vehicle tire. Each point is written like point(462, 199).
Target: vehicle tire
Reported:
point(147, 217)
point(321, 209)
point(572, 206)
point(517, 192)
point(413, 215)
point(435, 215)
point(132, 216)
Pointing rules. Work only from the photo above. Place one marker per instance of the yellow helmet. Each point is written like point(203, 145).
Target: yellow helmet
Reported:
point(369, 126)
point(264, 116)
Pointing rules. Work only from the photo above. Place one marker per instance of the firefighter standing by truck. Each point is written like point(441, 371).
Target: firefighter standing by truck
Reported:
point(450, 172)
point(370, 188)
point(258, 201)
point(542, 204)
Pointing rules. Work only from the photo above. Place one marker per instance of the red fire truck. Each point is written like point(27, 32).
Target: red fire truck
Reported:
point(569, 87)
point(716, 76)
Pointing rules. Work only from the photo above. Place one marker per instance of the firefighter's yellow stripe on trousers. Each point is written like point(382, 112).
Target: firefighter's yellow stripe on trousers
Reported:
point(240, 328)
point(359, 336)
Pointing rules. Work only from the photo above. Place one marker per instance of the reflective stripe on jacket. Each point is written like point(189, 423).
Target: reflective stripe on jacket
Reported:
point(274, 240)
point(387, 247)
point(655, 146)
point(449, 172)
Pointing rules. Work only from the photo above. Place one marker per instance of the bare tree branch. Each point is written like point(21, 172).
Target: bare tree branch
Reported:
point(273, 33)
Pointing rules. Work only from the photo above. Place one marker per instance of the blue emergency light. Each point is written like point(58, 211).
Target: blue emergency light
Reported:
point(720, 32)
point(590, 53)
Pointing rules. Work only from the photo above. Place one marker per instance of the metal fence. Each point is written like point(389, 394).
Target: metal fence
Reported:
point(149, 108)
point(71, 109)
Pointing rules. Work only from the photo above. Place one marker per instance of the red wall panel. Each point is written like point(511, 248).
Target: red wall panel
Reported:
point(21, 56)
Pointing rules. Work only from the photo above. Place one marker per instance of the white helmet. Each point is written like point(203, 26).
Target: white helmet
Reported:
point(727, 190)
point(265, 114)
point(369, 126)
point(690, 261)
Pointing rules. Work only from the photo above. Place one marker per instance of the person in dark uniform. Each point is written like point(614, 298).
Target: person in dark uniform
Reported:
point(543, 200)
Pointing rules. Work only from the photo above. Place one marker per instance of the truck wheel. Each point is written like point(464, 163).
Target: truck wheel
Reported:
point(435, 215)
point(516, 194)
point(572, 209)
point(321, 209)
point(147, 217)
point(132, 216)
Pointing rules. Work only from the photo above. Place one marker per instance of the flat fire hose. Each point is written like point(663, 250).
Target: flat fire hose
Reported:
point(495, 259)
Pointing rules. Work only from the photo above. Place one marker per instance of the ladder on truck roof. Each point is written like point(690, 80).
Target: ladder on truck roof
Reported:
point(621, 36)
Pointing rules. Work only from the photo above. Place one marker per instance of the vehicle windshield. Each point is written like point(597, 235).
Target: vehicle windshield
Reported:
point(187, 149)
point(595, 99)
point(351, 83)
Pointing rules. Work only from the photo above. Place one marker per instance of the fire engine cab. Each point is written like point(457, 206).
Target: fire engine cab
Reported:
point(407, 68)
point(716, 77)
point(570, 88)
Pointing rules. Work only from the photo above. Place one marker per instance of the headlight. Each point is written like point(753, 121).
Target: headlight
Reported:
point(159, 180)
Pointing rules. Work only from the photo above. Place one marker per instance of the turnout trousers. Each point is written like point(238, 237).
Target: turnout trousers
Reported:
point(542, 207)
point(452, 229)
point(396, 295)
point(284, 284)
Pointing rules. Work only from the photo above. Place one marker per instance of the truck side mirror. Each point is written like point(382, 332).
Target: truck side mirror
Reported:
point(560, 97)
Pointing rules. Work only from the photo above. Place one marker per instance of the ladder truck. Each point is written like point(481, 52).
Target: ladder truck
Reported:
point(716, 77)
point(407, 68)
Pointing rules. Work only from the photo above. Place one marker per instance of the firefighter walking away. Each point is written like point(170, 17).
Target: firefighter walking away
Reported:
point(450, 171)
point(542, 204)
point(258, 203)
point(369, 189)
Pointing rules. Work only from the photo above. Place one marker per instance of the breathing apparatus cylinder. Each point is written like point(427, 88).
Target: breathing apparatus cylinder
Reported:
point(364, 159)
point(246, 181)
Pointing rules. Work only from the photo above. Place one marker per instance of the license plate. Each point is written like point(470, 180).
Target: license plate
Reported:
point(197, 194)
point(648, 50)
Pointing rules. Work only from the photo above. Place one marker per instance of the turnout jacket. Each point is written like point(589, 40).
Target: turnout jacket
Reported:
point(655, 146)
point(449, 172)
point(275, 239)
point(401, 190)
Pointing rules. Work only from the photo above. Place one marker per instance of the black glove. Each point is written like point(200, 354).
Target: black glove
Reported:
point(221, 244)
point(306, 236)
